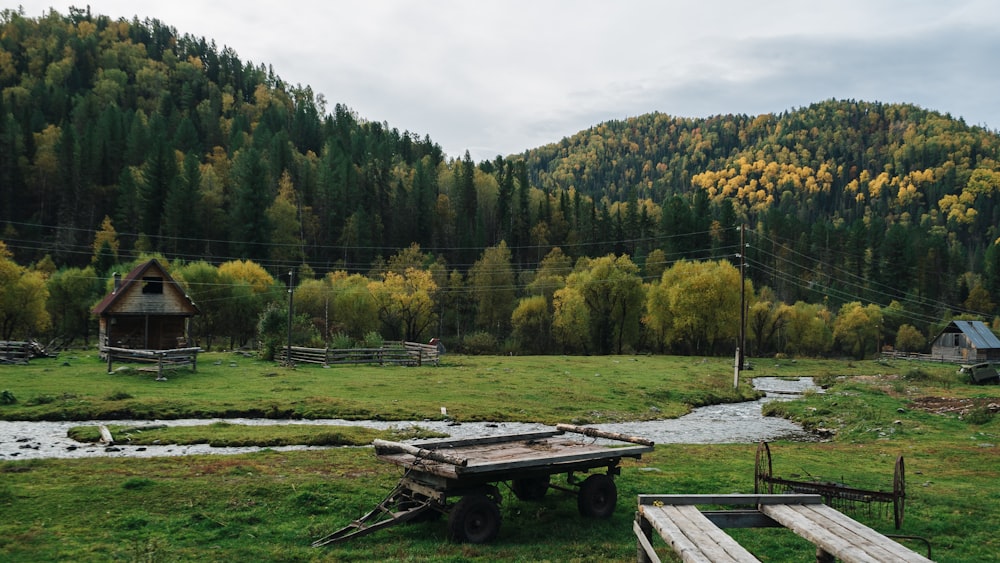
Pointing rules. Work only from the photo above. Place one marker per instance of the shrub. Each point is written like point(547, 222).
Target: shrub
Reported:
point(118, 396)
point(916, 374)
point(341, 341)
point(272, 326)
point(479, 343)
point(979, 415)
point(373, 340)
point(7, 398)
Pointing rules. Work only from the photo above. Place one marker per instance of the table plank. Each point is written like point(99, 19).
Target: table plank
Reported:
point(693, 536)
point(828, 529)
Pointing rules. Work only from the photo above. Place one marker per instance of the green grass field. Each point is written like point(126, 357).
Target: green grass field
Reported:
point(270, 506)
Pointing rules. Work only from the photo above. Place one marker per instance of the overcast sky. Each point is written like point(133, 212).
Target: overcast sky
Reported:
point(499, 77)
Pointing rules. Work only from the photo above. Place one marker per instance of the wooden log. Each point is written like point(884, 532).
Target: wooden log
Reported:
point(386, 446)
point(106, 437)
point(595, 433)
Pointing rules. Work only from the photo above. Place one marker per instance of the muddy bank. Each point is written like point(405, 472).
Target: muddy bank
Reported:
point(716, 424)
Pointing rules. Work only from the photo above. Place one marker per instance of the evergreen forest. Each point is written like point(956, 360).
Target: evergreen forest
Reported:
point(842, 227)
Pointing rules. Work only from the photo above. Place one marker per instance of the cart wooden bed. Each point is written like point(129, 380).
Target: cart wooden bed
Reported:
point(436, 473)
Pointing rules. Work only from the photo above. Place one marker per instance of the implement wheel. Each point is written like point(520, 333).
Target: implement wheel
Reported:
point(597, 497)
point(530, 488)
point(762, 470)
point(474, 519)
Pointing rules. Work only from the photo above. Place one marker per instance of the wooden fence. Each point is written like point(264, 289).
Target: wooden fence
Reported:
point(12, 352)
point(397, 353)
point(943, 358)
point(164, 359)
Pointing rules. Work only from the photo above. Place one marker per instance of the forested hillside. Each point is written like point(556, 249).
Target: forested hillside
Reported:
point(122, 139)
point(843, 199)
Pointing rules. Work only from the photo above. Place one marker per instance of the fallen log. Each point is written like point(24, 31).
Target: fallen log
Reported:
point(106, 435)
point(388, 447)
point(595, 433)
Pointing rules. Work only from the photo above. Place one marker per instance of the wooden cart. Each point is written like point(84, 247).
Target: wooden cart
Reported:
point(460, 477)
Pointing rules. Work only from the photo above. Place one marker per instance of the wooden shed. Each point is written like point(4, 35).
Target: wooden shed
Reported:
point(147, 310)
point(968, 342)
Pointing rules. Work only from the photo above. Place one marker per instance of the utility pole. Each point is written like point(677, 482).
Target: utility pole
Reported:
point(743, 303)
point(291, 288)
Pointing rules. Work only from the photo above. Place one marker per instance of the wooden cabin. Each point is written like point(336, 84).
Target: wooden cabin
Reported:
point(967, 342)
point(147, 310)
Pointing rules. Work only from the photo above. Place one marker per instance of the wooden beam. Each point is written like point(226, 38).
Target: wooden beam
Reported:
point(645, 552)
point(730, 499)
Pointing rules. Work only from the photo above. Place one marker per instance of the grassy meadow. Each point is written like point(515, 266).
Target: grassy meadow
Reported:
point(271, 506)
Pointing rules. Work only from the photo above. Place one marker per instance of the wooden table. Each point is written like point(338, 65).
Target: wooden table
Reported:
point(697, 535)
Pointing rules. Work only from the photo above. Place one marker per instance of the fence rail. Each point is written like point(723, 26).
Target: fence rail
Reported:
point(396, 353)
point(164, 359)
point(943, 358)
point(13, 352)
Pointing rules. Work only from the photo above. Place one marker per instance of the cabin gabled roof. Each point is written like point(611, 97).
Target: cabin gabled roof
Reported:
point(980, 335)
point(134, 280)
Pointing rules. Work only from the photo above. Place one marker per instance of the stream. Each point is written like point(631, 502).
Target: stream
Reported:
point(715, 424)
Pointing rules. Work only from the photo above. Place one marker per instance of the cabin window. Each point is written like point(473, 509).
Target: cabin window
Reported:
point(152, 285)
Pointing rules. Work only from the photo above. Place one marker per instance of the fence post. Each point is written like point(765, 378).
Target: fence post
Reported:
point(159, 367)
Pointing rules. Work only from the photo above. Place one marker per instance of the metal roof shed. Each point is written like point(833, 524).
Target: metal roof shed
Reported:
point(967, 342)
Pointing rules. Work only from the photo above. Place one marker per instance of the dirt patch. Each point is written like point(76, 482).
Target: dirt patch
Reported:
point(953, 405)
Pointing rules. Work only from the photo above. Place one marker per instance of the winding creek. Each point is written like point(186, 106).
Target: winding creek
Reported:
point(716, 424)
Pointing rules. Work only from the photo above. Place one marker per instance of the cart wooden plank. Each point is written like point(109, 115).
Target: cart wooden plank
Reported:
point(505, 455)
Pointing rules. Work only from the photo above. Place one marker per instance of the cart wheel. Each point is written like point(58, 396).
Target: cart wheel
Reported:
point(474, 519)
point(597, 496)
point(530, 488)
point(762, 470)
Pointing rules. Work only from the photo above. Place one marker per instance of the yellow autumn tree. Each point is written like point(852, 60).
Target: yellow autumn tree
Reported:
point(249, 272)
point(105, 246)
point(404, 303)
point(286, 229)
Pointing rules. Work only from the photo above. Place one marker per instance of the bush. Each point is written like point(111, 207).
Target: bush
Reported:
point(916, 374)
point(373, 340)
point(42, 400)
point(979, 415)
point(273, 330)
point(341, 341)
point(479, 343)
point(7, 398)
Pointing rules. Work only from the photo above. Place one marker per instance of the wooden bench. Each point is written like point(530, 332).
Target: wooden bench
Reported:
point(697, 536)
